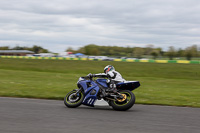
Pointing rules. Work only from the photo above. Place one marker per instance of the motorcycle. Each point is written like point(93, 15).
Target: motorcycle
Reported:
point(91, 89)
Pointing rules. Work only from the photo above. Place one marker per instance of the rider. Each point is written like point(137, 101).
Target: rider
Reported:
point(113, 76)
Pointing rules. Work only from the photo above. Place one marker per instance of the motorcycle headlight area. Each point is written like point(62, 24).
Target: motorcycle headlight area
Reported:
point(80, 79)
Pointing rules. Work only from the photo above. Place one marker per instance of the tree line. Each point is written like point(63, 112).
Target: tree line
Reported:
point(36, 49)
point(139, 52)
point(131, 52)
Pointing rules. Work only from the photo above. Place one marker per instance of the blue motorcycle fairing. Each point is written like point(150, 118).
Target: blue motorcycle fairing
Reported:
point(91, 97)
point(102, 82)
point(91, 90)
point(83, 83)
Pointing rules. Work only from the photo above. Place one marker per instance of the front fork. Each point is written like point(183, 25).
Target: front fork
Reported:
point(77, 91)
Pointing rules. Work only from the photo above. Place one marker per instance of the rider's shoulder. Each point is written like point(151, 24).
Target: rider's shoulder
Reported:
point(112, 72)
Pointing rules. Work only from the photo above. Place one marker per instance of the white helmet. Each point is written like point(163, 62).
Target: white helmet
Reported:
point(109, 68)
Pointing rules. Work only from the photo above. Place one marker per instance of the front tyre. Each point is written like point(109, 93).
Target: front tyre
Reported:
point(124, 103)
point(73, 100)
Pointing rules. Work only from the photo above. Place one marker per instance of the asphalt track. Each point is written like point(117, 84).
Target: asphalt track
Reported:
point(21, 115)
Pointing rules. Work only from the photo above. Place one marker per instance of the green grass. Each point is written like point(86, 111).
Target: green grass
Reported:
point(165, 84)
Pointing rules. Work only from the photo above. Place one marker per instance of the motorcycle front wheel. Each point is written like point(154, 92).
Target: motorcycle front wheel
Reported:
point(124, 103)
point(73, 100)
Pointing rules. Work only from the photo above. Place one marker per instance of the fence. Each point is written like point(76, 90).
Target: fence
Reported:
point(122, 60)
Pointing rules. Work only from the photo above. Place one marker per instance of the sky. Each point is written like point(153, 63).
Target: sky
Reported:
point(59, 24)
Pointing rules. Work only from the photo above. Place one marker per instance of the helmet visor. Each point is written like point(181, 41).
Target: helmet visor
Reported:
point(107, 70)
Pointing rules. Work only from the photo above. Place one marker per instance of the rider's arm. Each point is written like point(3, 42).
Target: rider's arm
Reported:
point(111, 75)
point(102, 75)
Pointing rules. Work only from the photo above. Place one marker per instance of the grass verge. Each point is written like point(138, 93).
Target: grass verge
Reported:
point(164, 84)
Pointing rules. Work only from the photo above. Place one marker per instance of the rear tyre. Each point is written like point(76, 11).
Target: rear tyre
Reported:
point(124, 103)
point(72, 100)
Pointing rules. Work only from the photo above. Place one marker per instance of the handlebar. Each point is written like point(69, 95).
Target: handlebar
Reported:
point(94, 75)
point(87, 77)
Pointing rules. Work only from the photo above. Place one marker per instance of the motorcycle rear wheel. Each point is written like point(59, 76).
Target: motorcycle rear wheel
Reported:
point(125, 103)
point(72, 101)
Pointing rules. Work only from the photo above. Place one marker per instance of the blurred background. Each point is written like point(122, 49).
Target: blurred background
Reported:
point(107, 32)
point(58, 25)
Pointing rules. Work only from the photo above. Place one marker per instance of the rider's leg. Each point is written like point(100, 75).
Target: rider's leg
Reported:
point(112, 86)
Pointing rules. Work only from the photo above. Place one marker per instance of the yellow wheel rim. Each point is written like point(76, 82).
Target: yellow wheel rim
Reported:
point(123, 99)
